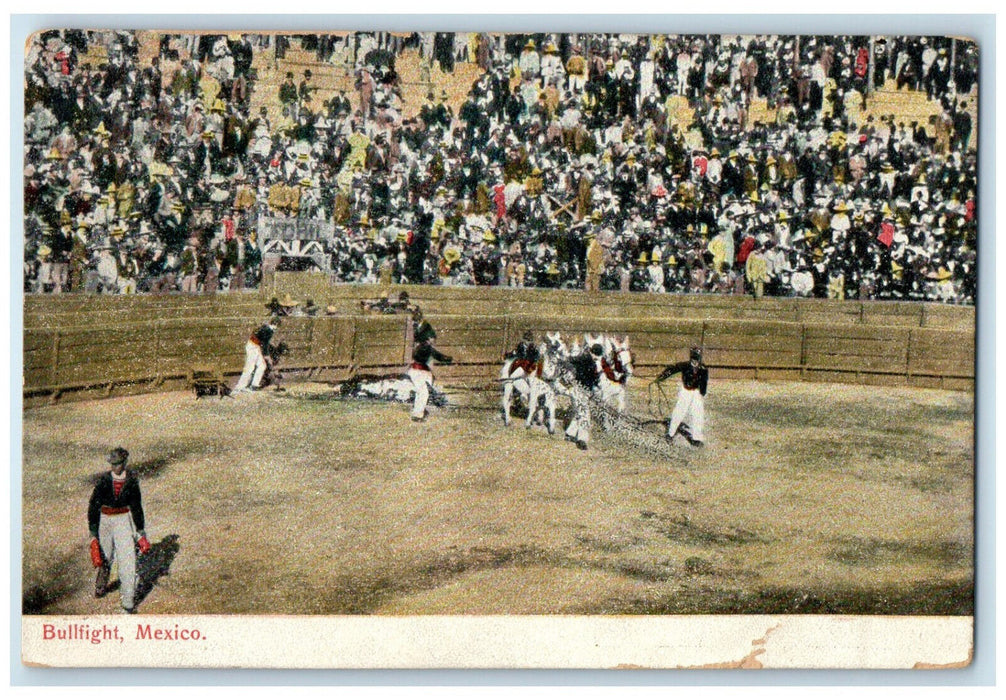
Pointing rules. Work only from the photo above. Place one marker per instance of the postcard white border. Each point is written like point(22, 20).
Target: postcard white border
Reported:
point(505, 642)
point(817, 629)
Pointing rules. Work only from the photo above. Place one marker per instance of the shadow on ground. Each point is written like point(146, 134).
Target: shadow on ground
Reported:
point(701, 594)
point(924, 598)
point(66, 577)
point(63, 578)
point(155, 564)
point(153, 467)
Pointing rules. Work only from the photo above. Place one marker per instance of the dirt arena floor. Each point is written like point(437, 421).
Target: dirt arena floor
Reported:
point(808, 498)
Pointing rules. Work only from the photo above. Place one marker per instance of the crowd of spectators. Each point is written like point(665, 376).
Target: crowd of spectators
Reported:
point(630, 157)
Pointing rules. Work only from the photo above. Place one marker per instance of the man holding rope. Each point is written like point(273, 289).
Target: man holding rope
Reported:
point(689, 415)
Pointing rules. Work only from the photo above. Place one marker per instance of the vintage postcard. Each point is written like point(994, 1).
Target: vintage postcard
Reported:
point(497, 350)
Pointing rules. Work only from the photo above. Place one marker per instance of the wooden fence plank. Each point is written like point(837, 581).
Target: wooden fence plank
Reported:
point(152, 336)
point(854, 362)
point(857, 347)
point(752, 358)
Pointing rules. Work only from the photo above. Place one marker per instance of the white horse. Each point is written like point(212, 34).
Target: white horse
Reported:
point(616, 368)
point(513, 378)
point(542, 383)
point(534, 383)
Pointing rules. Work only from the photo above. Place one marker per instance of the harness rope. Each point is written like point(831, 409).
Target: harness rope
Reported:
point(629, 430)
point(663, 403)
point(622, 427)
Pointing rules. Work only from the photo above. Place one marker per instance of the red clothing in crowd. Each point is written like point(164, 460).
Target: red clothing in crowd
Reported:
point(862, 63)
point(700, 164)
point(500, 201)
point(747, 245)
point(64, 62)
point(886, 235)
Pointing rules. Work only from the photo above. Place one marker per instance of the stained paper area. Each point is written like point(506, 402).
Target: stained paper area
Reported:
point(628, 642)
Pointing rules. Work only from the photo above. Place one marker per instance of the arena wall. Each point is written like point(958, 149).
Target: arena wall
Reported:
point(492, 301)
point(86, 347)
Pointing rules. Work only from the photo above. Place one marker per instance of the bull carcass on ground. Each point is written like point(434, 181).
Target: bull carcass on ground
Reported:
point(385, 387)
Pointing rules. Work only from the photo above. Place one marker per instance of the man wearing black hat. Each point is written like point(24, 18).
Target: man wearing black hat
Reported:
point(525, 356)
point(305, 89)
point(115, 520)
point(689, 415)
point(421, 328)
point(583, 379)
point(339, 105)
point(523, 361)
point(419, 371)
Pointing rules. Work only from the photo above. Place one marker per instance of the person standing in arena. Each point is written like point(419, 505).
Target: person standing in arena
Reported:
point(583, 379)
point(689, 415)
point(420, 372)
point(115, 520)
point(524, 362)
point(421, 328)
point(256, 357)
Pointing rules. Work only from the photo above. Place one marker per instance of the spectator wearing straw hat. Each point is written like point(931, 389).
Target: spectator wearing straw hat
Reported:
point(529, 62)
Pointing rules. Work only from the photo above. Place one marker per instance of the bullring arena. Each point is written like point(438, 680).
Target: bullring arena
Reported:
point(837, 477)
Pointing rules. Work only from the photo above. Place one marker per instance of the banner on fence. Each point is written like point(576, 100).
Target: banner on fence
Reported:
point(290, 229)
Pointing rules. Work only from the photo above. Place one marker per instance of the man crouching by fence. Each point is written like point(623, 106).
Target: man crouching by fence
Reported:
point(419, 372)
point(257, 353)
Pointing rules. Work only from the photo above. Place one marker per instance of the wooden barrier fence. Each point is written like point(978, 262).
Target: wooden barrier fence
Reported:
point(503, 301)
point(61, 311)
point(150, 355)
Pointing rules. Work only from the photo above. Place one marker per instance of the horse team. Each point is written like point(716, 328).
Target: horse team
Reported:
point(598, 368)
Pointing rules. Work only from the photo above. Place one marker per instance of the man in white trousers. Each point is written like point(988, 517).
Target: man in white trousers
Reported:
point(256, 357)
point(689, 415)
point(115, 520)
point(420, 372)
point(580, 383)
